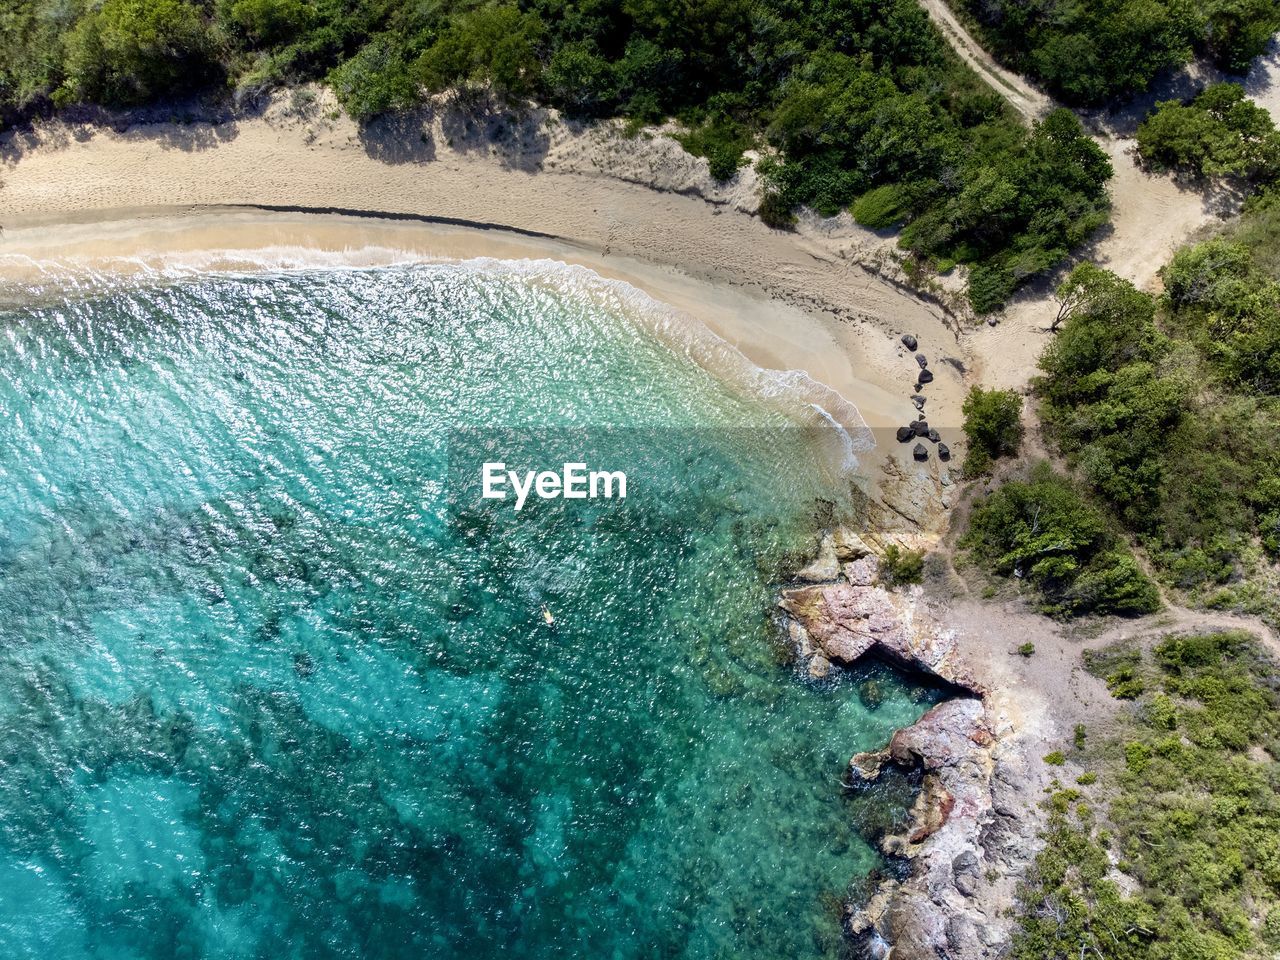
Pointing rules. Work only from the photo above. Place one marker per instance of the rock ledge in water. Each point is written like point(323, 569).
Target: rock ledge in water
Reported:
point(935, 911)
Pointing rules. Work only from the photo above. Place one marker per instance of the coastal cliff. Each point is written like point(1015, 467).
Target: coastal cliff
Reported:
point(972, 829)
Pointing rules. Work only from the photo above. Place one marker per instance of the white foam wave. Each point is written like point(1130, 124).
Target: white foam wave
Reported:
point(792, 392)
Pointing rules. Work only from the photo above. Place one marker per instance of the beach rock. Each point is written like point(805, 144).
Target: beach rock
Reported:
point(918, 401)
point(849, 546)
point(964, 872)
point(922, 360)
point(934, 436)
point(845, 620)
point(920, 427)
point(944, 452)
point(824, 567)
point(865, 768)
point(962, 937)
point(909, 341)
point(863, 572)
point(819, 667)
point(926, 376)
point(920, 453)
point(942, 907)
point(928, 914)
point(871, 694)
point(905, 434)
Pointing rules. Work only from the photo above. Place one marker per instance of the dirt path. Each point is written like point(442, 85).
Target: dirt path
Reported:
point(1152, 215)
point(1023, 97)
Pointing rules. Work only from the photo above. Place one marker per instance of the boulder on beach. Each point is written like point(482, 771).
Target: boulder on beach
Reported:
point(922, 360)
point(909, 341)
point(905, 434)
point(920, 453)
point(934, 436)
point(920, 427)
point(944, 452)
point(926, 376)
point(918, 401)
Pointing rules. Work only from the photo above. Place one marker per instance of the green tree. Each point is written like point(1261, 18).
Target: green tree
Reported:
point(375, 81)
point(267, 22)
point(1044, 532)
point(1219, 133)
point(128, 51)
point(495, 46)
point(581, 79)
point(1231, 308)
point(993, 426)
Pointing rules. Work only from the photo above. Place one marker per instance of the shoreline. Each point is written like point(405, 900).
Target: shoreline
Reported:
point(826, 299)
point(840, 368)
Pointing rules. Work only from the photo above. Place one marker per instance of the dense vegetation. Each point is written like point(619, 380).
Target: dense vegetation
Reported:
point(1169, 409)
point(1042, 531)
point(1091, 51)
point(992, 426)
point(1219, 133)
point(1190, 810)
point(860, 101)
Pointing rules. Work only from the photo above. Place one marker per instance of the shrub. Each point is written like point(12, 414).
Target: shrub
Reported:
point(1168, 426)
point(1231, 308)
point(776, 212)
point(1195, 818)
point(1088, 778)
point(494, 46)
point(991, 283)
point(993, 426)
point(1125, 684)
point(373, 82)
point(267, 22)
point(1079, 736)
point(1042, 531)
point(899, 567)
point(1026, 649)
point(882, 207)
point(721, 139)
point(581, 79)
point(1055, 759)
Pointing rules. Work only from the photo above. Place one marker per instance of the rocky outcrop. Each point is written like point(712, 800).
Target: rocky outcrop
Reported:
point(966, 844)
point(842, 621)
point(934, 912)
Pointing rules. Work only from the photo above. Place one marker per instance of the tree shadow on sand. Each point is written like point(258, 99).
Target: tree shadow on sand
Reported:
point(191, 126)
point(400, 137)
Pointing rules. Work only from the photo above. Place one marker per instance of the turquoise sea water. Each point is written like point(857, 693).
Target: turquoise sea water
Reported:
point(275, 683)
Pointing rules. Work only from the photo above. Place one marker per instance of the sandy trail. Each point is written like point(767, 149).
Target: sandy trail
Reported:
point(1022, 96)
point(1152, 215)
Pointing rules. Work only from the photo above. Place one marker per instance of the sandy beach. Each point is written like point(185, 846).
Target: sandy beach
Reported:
point(636, 210)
